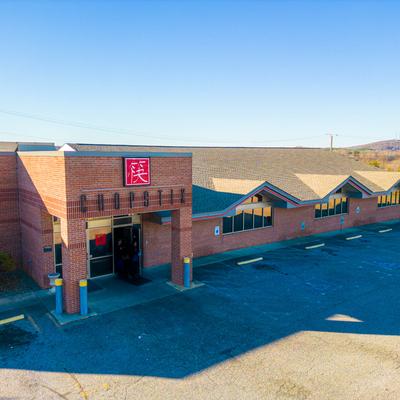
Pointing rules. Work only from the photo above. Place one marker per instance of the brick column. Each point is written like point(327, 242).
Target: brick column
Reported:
point(73, 236)
point(181, 242)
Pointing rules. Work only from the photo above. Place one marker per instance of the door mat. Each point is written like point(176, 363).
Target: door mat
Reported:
point(140, 281)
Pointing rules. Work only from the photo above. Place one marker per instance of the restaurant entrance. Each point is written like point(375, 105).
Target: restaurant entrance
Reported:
point(127, 251)
point(114, 245)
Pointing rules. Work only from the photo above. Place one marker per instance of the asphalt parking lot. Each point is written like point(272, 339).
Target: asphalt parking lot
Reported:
point(318, 324)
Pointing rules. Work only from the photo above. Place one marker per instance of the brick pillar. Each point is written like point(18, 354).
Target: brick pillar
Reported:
point(181, 242)
point(73, 236)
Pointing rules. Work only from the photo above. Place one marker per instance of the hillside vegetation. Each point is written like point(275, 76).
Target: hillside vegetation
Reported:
point(386, 159)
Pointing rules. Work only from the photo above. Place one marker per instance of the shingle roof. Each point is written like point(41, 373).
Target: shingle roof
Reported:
point(26, 146)
point(379, 180)
point(8, 146)
point(221, 175)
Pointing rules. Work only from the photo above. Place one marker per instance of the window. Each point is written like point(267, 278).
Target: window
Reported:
point(345, 205)
point(324, 210)
point(258, 218)
point(248, 220)
point(227, 224)
point(238, 221)
point(318, 210)
point(334, 206)
point(267, 216)
point(392, 199)
point(57, 245)
point(332, 210)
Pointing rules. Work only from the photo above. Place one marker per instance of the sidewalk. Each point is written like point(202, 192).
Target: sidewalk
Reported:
point(18, 300)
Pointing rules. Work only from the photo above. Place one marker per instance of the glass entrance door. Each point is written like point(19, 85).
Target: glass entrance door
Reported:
point(112, 243)
point(100, 247)
point(127, 245)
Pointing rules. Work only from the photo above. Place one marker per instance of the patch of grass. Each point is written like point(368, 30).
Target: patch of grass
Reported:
point(7, 264)
point(9, 282)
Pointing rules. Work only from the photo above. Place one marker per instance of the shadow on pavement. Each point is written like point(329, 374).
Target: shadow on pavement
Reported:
point(345, 287)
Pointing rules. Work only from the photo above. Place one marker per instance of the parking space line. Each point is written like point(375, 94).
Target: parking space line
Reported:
point(354, 237)
point(250, 261)
point(12, 319)
point(385, 230)
point(34, 324)
point(315, 246)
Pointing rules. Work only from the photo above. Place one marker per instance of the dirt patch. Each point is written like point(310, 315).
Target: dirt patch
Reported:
point(9, 282)
point(12, 336)
point(16, 282)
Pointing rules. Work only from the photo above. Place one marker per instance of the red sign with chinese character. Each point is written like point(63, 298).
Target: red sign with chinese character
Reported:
point(137, 171)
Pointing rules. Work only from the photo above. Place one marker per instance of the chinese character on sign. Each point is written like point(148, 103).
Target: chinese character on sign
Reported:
point(137, 171)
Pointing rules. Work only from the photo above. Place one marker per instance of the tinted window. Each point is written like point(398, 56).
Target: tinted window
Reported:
point(258, 219)
point(238, 222)
point(227, 224)
point(338, 206)
point(318, 211)
point(331, 207)
point(267, 216)
point(248, 219)
point(324, 209)
point(344, 205)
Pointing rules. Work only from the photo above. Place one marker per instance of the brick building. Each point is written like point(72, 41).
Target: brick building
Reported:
point(69, 209)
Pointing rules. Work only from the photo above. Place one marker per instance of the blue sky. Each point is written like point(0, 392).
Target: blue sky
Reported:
point(200, 72)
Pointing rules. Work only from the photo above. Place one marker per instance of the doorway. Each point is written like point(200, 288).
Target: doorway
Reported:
point(111, 239)
point(127, 251)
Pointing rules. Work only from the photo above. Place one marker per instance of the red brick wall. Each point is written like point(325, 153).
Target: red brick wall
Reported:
point(287, 225)
point(93, 175)
point(156, 243)
point(51, 184)
point(10, 241)
point(41, 182)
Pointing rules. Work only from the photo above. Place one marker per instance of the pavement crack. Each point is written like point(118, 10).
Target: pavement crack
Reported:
point(54, 391)
point(76, 380)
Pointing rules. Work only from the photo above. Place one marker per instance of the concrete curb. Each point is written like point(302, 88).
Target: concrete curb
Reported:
point(17, 300)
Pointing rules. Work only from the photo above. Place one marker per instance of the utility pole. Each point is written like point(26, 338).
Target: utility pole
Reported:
point(331, 135)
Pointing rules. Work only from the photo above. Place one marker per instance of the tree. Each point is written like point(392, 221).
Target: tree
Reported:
point(375, 163)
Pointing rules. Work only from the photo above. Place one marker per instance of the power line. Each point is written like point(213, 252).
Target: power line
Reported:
point(127, 132)
point(28, 136)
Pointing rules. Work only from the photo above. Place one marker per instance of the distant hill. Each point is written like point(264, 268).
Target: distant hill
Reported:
point(384, 154)
point(383, 145)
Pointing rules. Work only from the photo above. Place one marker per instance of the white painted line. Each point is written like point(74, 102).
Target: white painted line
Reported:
point(385, 230)
point(354, 237)
point(34, 324)
point(12, 319)
point(250, 261)
point(315, 246)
